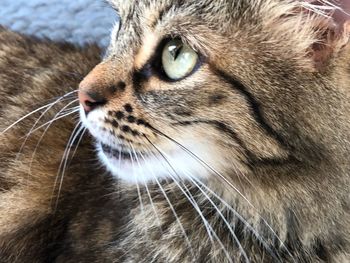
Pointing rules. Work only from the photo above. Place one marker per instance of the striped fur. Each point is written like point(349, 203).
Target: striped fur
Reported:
point(262, 127)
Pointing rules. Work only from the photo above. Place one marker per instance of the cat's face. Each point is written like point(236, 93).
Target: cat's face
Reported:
point(192, 88)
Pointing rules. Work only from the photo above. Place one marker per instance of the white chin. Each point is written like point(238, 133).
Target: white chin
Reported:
point(143, 169)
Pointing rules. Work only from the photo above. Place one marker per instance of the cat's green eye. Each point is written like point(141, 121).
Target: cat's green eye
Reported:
point(178, 59)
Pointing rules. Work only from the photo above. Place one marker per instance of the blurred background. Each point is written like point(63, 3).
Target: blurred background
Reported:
point(77, 21)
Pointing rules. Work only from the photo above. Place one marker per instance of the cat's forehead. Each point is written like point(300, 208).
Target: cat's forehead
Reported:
point(123, 5)
point(142, 7)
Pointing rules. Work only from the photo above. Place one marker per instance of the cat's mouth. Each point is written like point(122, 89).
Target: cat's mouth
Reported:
point(133, 166)
point(139, 162)
point(122, 154)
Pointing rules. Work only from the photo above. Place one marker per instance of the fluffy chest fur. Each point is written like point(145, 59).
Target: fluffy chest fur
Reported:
point(211, 132)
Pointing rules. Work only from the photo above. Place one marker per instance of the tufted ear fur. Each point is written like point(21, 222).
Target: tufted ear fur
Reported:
point(332, 27)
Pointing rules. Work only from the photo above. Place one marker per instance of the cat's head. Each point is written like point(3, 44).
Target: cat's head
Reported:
point(196, 88)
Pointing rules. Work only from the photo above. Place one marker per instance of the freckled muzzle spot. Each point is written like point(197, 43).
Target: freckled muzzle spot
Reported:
point(112, 122)
point(115, 124)
point(118, 119)
point(126, 129)
point(119, 115)
point(131, 119)
point(128, 108)
point(141, 122)
point(121, 86)
point(135, 133)
point(112, 89)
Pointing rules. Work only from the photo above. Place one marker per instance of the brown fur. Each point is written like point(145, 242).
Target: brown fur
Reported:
point(270, 100)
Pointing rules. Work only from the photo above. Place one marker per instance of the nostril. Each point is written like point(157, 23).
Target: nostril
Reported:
point(94, 104)
point(91, 100)
point(96, 98)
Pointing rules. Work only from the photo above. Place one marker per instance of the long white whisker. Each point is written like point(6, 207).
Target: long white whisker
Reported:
point(62, 160)
point(176, 216)
point(188, 195)
point(173, 211)
point(137, 184)
point(147, 190)
point(198, 159)
point(40, 139)
point(138, 187)
point(56, 118)
point(72, 109)
point(78, 143)
point(196, 181)
point(35, 111)
point(241, 249)
point(65, 164)
point(193, 202)
point(217, 209)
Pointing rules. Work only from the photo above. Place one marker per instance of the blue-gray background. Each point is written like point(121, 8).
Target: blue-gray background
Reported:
point(78, 21)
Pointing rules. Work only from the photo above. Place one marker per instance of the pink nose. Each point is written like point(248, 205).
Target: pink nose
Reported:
point(90, 101)
point(99, 87)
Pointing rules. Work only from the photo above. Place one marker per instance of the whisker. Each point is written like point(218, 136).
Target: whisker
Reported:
point(40, 139)
point(70, 140)
point(142, 208)
point(65, 165)
point(237, 171)
point(176, 216)
point(56, 118)
point(195, 205)
point(66, 96)
point(120, 159)
point(72, 109)
point(173, 211)
point(137, 184)
point(148, 191)
point(249, 227)
point(35, 111)
point(213, 204)
point(198, 159)
point(78, 143)
point(241, 249)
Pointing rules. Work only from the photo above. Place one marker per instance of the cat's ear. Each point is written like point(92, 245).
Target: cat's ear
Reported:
point(332, 28)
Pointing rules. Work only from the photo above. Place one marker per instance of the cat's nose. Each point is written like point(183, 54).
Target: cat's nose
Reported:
point(90, 100)
point(99, 87)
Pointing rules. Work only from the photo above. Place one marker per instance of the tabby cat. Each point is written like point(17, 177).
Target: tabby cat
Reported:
point(212, 131)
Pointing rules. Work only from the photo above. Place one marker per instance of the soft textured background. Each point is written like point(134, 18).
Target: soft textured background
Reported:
point(78, 21)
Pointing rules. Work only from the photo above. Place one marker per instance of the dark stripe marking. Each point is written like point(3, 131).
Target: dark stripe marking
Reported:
point(255, 105)
point(252, 158)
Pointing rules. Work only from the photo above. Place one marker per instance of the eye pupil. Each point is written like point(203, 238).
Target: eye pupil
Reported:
point(179, 60)
point(175, 51)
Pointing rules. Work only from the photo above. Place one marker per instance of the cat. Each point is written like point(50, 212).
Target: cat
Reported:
point(212, 131)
